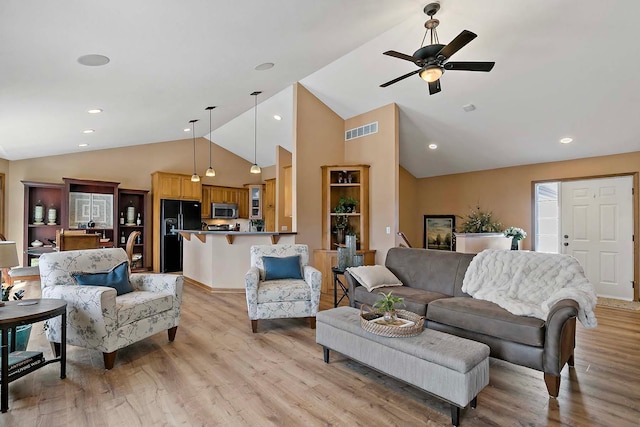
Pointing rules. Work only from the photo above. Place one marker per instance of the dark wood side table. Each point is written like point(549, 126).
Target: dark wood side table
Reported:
point(337, 282)
point(16, 313)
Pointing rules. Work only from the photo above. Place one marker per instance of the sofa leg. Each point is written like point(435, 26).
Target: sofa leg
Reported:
point(312, 322)
point(109, 359)
point(455, 415)
point(553, 384)
point(55, 348)
point(254, 326)
point(172, 333)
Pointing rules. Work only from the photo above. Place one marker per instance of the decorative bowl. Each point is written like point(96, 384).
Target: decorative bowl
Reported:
point(36, 243)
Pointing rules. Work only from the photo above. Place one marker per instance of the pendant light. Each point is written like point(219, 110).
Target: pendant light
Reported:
point(255, 168)
point(210, 171)
point(195, 177)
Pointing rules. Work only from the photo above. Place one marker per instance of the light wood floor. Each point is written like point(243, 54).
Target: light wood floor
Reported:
point(218, 373)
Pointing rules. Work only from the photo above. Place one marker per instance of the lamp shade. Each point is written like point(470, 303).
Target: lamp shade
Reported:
point(8, 255)
point(431, 74)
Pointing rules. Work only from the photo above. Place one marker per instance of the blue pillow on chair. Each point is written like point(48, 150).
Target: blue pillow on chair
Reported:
point(276, 268)
point(117, 277)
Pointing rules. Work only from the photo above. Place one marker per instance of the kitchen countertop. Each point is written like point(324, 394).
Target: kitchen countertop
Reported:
point(230, 235)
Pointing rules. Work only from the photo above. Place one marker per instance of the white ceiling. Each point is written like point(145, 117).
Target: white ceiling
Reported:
point(562, 69)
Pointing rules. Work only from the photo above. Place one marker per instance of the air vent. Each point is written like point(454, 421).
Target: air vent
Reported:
point(361, 131)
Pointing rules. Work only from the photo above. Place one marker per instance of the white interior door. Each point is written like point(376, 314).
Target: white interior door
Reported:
point(597, 229)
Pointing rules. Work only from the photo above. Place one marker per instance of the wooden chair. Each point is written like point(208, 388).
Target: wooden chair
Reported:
point(131, 240)
point(71, 240)
point(18, 273)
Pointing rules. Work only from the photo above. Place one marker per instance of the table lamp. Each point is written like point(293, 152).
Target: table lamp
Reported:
point(8, 256)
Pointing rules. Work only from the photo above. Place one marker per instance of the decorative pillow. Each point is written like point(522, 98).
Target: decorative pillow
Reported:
point(276, 268)
point(374, 276)
point(117, 277)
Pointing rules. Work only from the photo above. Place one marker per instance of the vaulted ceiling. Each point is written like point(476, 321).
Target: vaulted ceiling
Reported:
point(563, 69)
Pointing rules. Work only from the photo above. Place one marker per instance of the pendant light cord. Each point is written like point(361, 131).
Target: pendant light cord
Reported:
point(210, 138)
point(255, 131)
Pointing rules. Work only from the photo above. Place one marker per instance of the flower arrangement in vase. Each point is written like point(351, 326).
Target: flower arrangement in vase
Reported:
point(479, 221)
point(516, 234)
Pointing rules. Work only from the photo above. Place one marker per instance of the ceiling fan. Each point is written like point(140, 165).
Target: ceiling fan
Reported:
point(432, 59)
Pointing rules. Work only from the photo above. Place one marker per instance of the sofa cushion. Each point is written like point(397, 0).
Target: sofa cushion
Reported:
point(415, 300)
point(374, 276)
point(283, 290)
point(487, 318)
point(276, 268)
point(432, 270)
point(138, 305)
point(117, 278)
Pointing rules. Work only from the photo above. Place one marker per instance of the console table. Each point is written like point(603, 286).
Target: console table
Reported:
point(17, 313)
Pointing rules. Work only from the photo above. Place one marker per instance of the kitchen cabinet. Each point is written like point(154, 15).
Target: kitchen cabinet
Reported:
point(206, 201)
point(219, 194)
point(243, 203)
point(255, 201)
point(270, 205)
point(176, 186)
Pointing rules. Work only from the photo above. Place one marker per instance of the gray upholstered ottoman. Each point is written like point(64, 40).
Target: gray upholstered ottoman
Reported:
point(449, 367)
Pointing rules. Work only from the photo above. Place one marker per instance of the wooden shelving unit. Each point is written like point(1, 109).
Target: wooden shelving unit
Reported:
point(137, 199)
point(49, 195)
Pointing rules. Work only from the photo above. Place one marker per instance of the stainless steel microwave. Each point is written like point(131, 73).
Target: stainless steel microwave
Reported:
point(224, 210)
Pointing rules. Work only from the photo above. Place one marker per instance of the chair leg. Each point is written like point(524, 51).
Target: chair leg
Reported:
point(312, 322)
point(109, 359)
point(254, 326)
point(55, 348)
point(553, 384)
point(172, 333)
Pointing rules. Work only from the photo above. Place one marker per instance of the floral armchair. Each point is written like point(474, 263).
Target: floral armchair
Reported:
point(284, 297)
point(98, 318)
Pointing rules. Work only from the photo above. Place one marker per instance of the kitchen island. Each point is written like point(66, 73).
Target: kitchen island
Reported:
point(220, 259)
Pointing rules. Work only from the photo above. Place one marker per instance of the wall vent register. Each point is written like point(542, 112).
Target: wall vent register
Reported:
point(361, 131)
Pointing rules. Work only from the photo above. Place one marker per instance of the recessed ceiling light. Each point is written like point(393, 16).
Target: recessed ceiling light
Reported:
point(469, 107)
point(187, 129)
point(566, 140)
point(277, 117)
point(265, 66)
point(93, 60)
point(433, 146)
point(88, 131)
point(95, 111)
point(83, 145)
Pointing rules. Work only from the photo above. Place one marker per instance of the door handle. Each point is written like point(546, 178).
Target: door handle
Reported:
point(566, 236)
point(566, 244)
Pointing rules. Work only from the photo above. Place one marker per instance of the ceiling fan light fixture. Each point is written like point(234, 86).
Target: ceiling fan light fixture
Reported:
point(431, 73)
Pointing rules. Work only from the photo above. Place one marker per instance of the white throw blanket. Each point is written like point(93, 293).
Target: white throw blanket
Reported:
point(530, 283)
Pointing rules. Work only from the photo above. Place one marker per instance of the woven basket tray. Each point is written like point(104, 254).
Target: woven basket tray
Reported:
point(391, 331)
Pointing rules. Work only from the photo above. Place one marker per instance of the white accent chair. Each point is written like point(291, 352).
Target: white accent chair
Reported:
point(96, 317)
point(284, 298)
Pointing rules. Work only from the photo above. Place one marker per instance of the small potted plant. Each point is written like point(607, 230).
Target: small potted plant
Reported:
point(258, 224)
point(346, 205)
point(516, 234)
point(386, 306)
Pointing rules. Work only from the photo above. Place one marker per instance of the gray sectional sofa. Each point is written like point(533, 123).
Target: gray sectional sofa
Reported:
point(432, 286)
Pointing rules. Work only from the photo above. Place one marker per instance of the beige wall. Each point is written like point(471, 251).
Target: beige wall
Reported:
point(131, 166)
point(508, 191)
point(410, 218)
point(380, 151)
point(318, 139)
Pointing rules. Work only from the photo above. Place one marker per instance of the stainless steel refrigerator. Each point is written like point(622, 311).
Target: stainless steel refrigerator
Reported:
point(176, 215)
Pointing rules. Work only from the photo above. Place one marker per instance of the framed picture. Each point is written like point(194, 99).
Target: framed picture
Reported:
point(438, 232)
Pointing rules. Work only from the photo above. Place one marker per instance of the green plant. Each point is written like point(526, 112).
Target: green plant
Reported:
point(479, 221)
point(387, 303)
point(346, 205)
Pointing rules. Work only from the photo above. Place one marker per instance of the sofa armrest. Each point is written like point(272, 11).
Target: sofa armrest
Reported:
point(560, 336)
point(91, 313)
point(352, 283)
point(313, 277)
point(251, 281)
point(171, 283)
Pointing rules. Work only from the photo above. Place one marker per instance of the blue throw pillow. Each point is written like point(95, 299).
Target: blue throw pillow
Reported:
point(276, 268)
point(117, 277)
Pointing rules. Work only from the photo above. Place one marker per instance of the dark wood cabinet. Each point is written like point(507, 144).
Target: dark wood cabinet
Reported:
point(49, 196)
point(136, 200)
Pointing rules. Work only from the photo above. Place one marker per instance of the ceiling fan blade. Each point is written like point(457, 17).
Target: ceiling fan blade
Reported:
point(400, 78)
point(456, 44)
point(401, 56)
point(434, 87)
point(469, 66)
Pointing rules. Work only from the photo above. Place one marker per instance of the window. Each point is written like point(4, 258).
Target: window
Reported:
point(547, 217)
